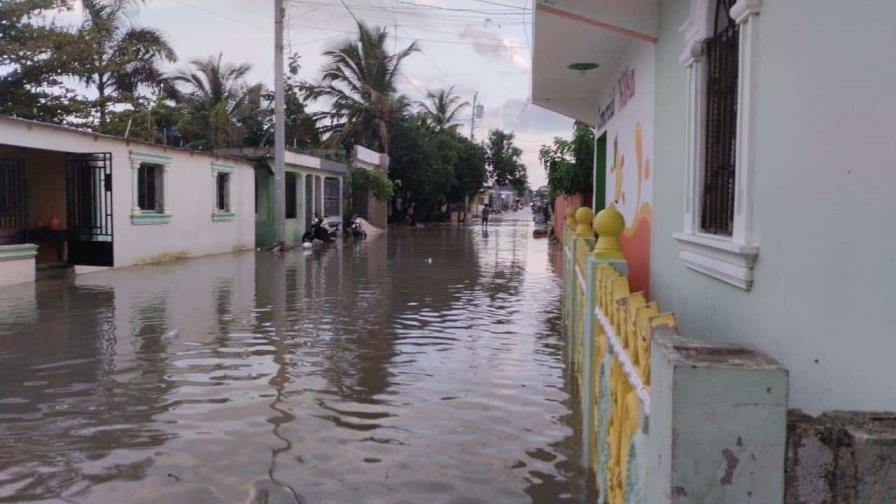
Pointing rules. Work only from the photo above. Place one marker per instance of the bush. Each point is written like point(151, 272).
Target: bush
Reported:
point(364, 182)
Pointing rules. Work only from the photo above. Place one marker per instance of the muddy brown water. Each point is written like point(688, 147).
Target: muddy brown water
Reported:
point(423, 367)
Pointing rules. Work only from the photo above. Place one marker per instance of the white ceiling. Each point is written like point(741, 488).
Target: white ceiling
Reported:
point(562, 39)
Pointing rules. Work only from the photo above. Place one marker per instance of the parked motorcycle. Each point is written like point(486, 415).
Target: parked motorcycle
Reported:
point(356, 229)
point(321, 231)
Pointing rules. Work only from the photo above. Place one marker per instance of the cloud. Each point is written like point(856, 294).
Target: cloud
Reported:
point(492, 45)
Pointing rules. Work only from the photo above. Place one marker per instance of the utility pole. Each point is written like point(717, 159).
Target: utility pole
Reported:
point(473, 115)
point(279, 128)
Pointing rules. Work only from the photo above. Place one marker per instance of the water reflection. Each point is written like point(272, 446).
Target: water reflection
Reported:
point(426, 367)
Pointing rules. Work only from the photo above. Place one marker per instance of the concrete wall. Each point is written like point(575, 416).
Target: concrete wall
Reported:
point(824, 215)
point(17, 264)
point(189, 194)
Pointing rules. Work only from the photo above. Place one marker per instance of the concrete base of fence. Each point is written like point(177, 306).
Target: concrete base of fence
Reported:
point(841, 457)
point(717, 423)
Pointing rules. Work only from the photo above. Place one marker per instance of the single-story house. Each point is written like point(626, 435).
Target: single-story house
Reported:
point(76, 199)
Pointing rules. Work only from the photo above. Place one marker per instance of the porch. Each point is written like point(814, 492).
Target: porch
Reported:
point(55, 211)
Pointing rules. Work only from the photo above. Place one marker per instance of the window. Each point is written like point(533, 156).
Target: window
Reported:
point(150, 187)
point(290, 195)
point(717, 208)
point(149, 176)
point(222, 192)
point(717, 239)
point(317, 195)
point(331, 197)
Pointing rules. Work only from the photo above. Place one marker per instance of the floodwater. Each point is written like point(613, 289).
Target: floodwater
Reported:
point(423, 367)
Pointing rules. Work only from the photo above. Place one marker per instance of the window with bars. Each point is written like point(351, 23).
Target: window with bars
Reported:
point(150, 187)
point(222, 192)
point(331, 197)
point(13, 202)
point(722, 50)
point(291, 195)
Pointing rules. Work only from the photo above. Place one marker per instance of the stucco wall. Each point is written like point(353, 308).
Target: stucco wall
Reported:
point(189, 193)
point(824, 215)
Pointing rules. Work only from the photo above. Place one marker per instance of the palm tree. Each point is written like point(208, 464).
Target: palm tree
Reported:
point(119, 58)
point(359, 81)
point(441, 107)
point(218, 98)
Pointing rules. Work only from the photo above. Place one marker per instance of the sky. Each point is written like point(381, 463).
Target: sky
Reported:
point(476, 45)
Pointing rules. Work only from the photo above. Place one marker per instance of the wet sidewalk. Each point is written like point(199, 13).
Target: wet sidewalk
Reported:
point(423, 367)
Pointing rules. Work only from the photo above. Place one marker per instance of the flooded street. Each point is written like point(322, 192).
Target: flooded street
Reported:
point(423, 367)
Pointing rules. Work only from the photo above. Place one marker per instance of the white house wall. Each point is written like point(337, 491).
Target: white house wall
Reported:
point(189, 194)
point(626, 114)
point(824, 212)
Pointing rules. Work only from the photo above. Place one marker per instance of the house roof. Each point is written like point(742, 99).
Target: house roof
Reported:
point(266, 155)
point(93, 134)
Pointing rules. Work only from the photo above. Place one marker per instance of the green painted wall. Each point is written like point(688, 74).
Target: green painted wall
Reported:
point(264, 216)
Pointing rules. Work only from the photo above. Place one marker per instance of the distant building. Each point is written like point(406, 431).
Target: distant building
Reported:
point(314, 186)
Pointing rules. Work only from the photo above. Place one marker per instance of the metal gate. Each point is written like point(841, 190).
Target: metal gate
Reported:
point(13, 199)
point(89, 195)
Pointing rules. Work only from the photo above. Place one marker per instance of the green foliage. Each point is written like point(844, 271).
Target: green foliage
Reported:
point(35, 56)
point(433, 166)
point(570, 163)
point(359, 83)
point(441, 107)
point(365, 182)
point(117, 58)
point(503, 159)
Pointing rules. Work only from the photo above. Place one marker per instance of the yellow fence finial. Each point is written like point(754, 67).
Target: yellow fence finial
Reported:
point(571, 217)
point(608, 224)
point(583, 218)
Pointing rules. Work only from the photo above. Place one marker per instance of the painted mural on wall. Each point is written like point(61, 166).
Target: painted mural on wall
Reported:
point(627, 119)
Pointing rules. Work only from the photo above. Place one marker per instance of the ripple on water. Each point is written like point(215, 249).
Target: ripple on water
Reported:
point(421, 367)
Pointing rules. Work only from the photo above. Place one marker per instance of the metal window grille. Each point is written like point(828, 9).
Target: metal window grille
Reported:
point(150, 187)
point(290, 195)
point(223, 192)
point(89, 193)
point(722, 51)
point(13, 194)
point(331, 197)
point(317, 193)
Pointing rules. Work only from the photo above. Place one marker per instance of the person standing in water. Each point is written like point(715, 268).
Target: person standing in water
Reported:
point(486, 211)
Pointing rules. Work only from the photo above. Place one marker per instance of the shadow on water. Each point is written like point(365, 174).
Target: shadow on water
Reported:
point(426, 366)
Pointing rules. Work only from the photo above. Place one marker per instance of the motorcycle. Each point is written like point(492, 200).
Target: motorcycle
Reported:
point(320, 231)
point(356, 229)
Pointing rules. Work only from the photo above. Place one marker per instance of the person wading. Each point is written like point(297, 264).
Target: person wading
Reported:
point(486, 211)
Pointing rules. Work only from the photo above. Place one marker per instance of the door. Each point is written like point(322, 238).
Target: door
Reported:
point(89, 205)
point(309, 201)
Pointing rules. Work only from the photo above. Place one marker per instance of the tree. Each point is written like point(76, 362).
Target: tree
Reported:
point(470, 172)
point(441, 107)
point(359, 81)
point(569, 163)
point(219, 101)
point(503, 159)
point(119, 59)
point(35, 56)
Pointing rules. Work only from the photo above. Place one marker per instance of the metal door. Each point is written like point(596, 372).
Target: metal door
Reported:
point(89, 208)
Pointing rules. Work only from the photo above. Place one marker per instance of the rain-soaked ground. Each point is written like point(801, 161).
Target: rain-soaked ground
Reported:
point(423, 367)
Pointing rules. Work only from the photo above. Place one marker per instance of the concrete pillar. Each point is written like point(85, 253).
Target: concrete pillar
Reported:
point(717, 423)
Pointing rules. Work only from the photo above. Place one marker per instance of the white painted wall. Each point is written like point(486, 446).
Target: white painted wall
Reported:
point(825, 215)
point(189, 193)
point(16, 271)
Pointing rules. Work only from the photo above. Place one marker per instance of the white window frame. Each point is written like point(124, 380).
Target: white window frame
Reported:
point(217, 214)
point(149, 217)
point(727, 258)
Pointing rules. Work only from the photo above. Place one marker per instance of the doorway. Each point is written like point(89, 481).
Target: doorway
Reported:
point(599, 182)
